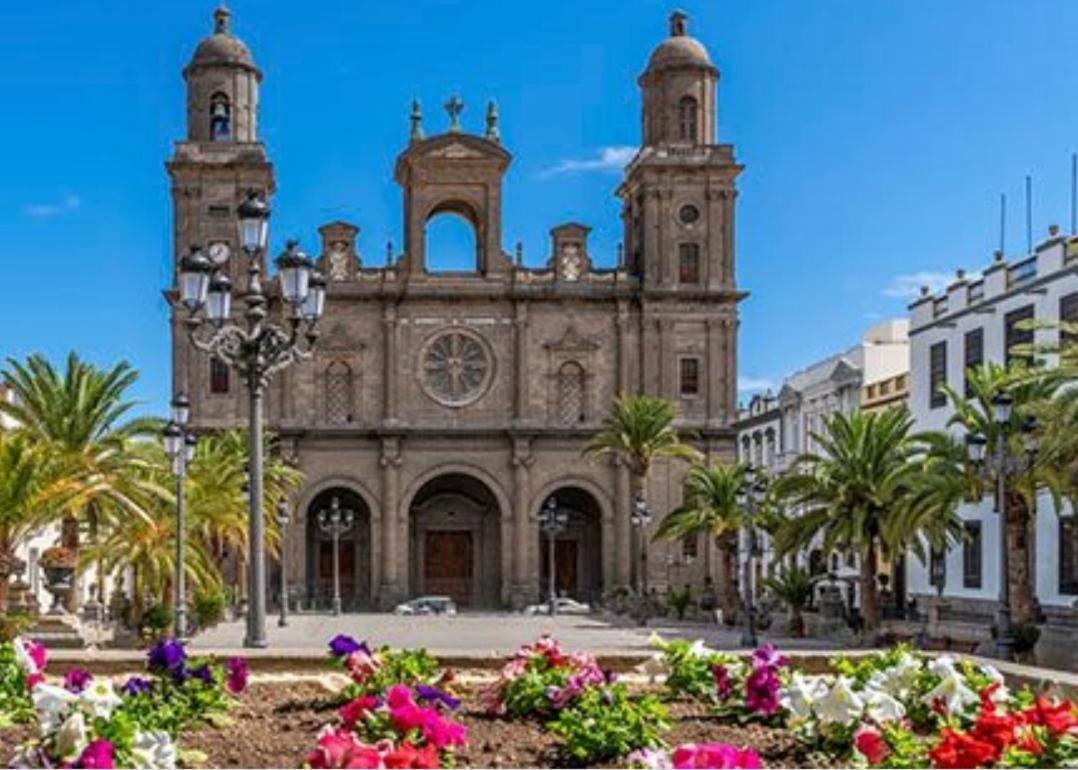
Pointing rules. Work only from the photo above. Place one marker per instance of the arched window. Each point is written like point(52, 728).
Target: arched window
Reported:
point(452, 244)
point(686, 119)
point(571, 393)
point(220, 118)
point(688, 255)
point(338, 386)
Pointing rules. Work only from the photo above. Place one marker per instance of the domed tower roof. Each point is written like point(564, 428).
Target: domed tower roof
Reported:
point(679, 49)
point(222, 47)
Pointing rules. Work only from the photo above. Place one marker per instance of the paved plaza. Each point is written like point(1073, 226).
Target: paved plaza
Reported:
point(484, 634)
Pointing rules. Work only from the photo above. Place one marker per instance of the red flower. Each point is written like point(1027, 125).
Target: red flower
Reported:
point(961, 750)
point(872, 745)
point(1059, 717)
point(355, 710)
point(998, 729)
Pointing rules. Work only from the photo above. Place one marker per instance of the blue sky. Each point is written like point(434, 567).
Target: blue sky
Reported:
point(877, 137)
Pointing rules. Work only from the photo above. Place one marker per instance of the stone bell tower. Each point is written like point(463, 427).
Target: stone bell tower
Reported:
point(211, 170)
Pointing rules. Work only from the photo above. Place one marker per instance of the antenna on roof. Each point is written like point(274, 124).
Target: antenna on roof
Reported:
point(1029, 214)
point(1074, 193)
point(1003, 223)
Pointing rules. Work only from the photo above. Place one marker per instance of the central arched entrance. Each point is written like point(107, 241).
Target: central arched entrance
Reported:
point(354, 554)
point(578, 564)
point(455, 541)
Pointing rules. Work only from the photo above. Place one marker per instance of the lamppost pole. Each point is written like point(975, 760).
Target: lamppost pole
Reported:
point(335, 522)
point(282, 523)
point(749, 496)
point(552, 521)
point(257, 349)
point(180, 447)
point(640, 519)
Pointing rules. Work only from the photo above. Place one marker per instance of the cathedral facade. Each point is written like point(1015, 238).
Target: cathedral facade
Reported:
point(445, 409)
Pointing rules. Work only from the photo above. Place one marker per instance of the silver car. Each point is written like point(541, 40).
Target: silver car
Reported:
point(427, 605)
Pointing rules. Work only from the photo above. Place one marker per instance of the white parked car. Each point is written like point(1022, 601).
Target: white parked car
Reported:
point(427, 605)
point(564, 606)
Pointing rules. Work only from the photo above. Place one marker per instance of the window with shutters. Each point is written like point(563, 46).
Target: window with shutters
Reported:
point(971, 555)
point(937, 374)
point(688, 263)
point(571, 403)
point(973, 355)
point(687, 110)
point(689, 380)
point(338, 393)
point(1068, 555)
point(218, 376)
point(1017, 331)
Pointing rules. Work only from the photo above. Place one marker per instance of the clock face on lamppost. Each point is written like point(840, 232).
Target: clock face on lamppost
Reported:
point(219, 253)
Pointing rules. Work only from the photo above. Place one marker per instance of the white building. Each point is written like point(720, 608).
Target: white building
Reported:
point(774, 430)
point(975, 321)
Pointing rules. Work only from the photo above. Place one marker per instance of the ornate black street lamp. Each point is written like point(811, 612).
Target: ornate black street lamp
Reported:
point(257, 349)
point(998, 468)
point(335, 521)
point(180, 447)
point(553, 520)
point(750, 495)
point(640, 519)
point(282, 522)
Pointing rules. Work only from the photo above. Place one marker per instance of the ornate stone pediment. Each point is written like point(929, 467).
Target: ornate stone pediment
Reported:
point(338, 341)
point(454, 151)
point(572, 341)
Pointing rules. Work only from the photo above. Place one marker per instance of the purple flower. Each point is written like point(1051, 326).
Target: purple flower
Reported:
point(167, 655)
point(236, 671)
point(767, 655)
point(762, 691)
point(136, 685)
point(76, 680)
point(203, 673)
point(434, 695)
point(342, 645)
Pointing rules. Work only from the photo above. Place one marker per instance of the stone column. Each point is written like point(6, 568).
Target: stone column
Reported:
point(523, 582)
point(394, 558)
point(621, 383)
point(621, 525)
point(390, 364)
point(520, 358)
point(715, 365)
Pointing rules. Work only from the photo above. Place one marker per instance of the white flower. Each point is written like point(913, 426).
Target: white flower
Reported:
point(802, 692)
point(153, 751)
point(943, 665)
point(1001, 694)
point(51, 703)
point(100, 698)
point(899, 679)
point(22, 656)
point(657, 641)
point(952, 691)
point(841, 704)
point(70, 739)
point(882, 707)
point(699, 650)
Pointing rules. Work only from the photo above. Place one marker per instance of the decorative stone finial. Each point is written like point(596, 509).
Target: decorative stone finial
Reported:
point(924, 291)
point(389, 252)
point(621, 254)
point(453, 108)
point(998, 255)
point(492, 122)
point(520, 254)
point(677, 23)
point(417, 121)
point(221, 19)
point(1053, 230)
point(960, 274)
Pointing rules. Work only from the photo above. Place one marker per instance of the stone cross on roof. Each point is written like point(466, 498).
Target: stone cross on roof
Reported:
point(454, 107)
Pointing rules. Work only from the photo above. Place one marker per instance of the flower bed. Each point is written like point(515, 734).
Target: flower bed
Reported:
point(552, 708)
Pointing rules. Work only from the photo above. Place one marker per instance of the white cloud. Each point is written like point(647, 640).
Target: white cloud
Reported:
point(606, 160)
point(908, 285)
point(45, 210)
point(755, 384)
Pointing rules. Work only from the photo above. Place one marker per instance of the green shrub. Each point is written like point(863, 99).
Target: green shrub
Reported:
point(208, 608)
point(691, 667)
point(156, 620)
point(605, 723)
point(13, 623)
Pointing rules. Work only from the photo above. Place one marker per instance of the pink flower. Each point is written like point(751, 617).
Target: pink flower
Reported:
point(723, 685)
point(719, 756)
point(341, 749)
point(34, 679)
point(97, 754)
point(767, 655)
point(355, 710)
point(236, 671)
point(871, 745)
point(762, 691)
point(360, 665)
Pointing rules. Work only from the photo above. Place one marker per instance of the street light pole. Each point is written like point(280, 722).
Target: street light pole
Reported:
point(640, 520)
point(552, 521)
point(335, 522)
point(180, 447)
point(748, 497)
point(282, 523)
point(257, 349)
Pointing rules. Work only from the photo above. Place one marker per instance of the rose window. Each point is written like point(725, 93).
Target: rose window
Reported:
point(455, 368)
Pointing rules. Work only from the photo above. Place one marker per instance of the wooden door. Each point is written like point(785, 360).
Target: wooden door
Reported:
point(325, 572)
point(565, 560)
point(448, 565)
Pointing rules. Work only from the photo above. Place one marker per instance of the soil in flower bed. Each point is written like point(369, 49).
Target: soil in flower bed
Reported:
point(276, 725)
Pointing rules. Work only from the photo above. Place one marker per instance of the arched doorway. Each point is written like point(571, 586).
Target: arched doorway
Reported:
point(354, 553)
point(578, 563)
point(455, 541)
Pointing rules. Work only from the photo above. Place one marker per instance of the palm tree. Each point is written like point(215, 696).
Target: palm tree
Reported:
point(78, 417)
point(25, 474)
point(793, 587)
point(1032, 391)
point(640, 430)
point(869, 472)
point(711, 506)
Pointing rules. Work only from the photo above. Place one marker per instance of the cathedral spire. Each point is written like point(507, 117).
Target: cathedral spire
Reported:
point(222, 20)
point(678, 24)
point(417, 121)
point(493, 134)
